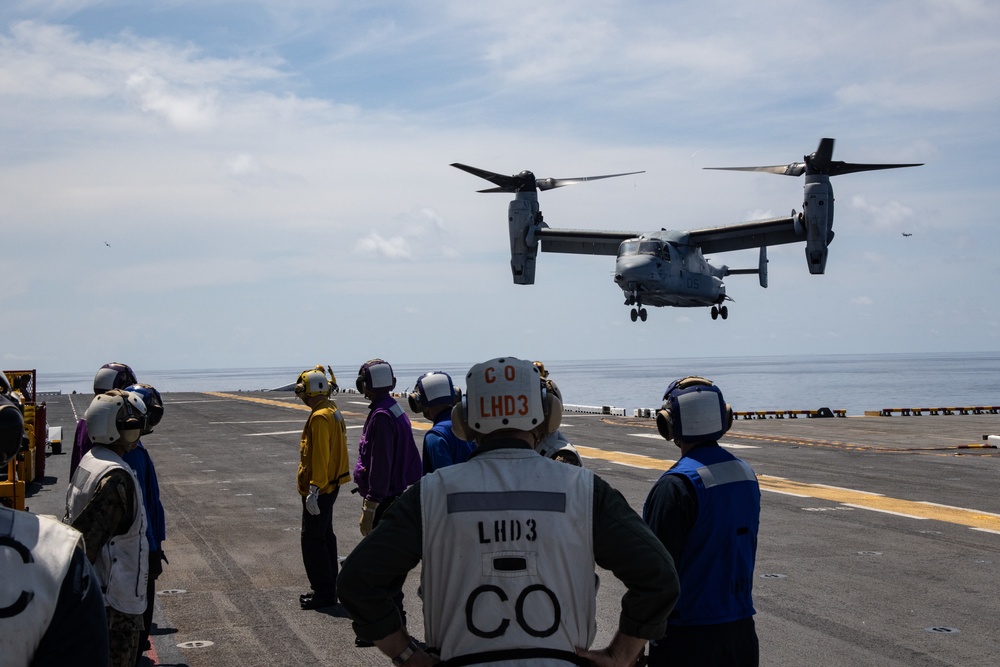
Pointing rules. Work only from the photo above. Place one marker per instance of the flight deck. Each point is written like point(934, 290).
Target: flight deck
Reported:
point(879, 540)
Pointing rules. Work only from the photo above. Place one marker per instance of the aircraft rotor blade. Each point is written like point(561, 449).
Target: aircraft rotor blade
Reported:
point(519, 183)
point(526, 181)
point(550, 183)
point(820, 162)
point(793, 169)
point(838, 168)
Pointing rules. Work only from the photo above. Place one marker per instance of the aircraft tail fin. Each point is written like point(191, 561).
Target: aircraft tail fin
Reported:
point(761, 269)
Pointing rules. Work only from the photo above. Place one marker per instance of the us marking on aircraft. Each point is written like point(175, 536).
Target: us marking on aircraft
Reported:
point(668, 267)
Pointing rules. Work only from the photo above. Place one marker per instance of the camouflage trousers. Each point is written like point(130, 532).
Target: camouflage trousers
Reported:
point(123, 637)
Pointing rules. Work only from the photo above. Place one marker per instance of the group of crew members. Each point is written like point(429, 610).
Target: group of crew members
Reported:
point(87, 583)
point(508, 538)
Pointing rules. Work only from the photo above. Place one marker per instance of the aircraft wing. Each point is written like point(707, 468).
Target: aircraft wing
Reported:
point(583, 241)
point(777, 231)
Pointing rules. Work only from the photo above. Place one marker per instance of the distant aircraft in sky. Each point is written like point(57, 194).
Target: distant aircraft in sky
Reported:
point(905, 234)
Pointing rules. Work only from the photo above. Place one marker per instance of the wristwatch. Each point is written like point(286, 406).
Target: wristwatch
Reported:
point(410, 649)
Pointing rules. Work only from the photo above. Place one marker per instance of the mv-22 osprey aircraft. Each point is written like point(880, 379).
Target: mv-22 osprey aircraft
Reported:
point(666, 267)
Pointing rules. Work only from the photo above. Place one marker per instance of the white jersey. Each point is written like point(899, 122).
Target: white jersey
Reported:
point(123, 564)
point(35, 555)
point(508, 559)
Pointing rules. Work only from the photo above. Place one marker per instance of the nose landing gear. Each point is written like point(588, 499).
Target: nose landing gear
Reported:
point(716, 311)
point(638, 313)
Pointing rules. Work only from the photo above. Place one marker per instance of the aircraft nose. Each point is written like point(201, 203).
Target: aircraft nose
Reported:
point(634, 269)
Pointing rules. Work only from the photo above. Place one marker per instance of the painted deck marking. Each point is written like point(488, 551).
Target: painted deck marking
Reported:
point(977, 520)
point(984, 521)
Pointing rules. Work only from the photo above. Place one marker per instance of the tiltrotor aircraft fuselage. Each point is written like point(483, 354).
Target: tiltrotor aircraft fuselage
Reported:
point(668, 268)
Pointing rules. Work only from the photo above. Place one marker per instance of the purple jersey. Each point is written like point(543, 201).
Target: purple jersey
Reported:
point(388, 459)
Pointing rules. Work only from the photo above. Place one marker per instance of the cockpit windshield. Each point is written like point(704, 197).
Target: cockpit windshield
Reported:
point(649, 247)
point(628, 248)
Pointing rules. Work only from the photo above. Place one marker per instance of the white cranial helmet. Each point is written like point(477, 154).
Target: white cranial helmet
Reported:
point(506, 394)
point(115, 415)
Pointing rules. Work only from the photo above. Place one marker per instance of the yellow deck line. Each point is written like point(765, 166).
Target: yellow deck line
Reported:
point(420, 426)
point(861, 499)
point(262, 401)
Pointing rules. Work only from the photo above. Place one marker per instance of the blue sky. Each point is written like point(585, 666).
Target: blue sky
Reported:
point(236, 184)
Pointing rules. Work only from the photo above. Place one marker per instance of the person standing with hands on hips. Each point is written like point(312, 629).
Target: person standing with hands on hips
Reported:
point(509, 541)
point(706, 511)
point(323, 467)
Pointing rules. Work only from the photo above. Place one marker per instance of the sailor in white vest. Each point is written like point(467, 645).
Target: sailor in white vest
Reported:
point(104, 502)
point(509, 542)
point(51, 608)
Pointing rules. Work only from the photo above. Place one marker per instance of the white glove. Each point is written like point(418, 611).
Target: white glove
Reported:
point(368, 508)
point(312, 500)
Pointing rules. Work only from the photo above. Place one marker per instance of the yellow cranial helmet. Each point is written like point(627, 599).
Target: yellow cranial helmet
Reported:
point(314, 382)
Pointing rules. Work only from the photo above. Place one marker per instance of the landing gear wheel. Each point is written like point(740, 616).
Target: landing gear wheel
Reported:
point(635, 314)
point(715, 313)
point(724, 311)
point(642, 314)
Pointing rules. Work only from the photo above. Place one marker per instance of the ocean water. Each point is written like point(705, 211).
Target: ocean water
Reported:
point(855, 383)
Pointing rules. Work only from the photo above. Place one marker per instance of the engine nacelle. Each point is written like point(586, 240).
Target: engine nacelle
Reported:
point(523, 217)
point(817, 218)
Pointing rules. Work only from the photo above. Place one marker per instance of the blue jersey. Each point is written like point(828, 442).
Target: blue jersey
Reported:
point(717, 558)
point(156, 527)
point(442, 447)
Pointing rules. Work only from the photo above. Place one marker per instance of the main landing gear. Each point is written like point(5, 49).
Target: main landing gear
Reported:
point(639, 314)
point(716, 311)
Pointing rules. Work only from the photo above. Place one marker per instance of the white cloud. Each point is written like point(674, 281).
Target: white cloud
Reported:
point(891, 215)
point(238, 173)
point(395, 247)
point(184, 110)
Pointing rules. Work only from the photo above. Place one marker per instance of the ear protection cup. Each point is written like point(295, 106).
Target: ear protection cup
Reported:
point(11, 430)
point(460, 421)
point(552, 409)
point(131, 430)
point(663, 424)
